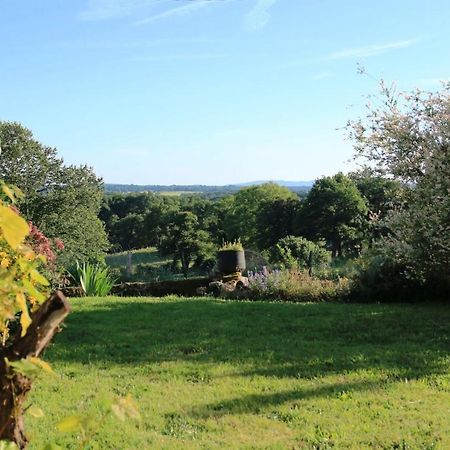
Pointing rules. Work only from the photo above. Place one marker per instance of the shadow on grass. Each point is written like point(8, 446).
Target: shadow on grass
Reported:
point(267, 339)
point(257, 403)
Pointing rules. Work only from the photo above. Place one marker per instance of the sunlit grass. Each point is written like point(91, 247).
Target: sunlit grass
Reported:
point(141, 256)
point(208, 374)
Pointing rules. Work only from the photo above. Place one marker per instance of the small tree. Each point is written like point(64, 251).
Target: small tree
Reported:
point(185, 241)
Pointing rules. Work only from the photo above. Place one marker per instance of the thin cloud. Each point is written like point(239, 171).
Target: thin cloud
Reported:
point(371, 50)
point(259, 15)
point(177, 11)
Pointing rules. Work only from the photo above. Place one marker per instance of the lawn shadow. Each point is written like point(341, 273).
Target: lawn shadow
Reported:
point(267, 339)
point(257, 403)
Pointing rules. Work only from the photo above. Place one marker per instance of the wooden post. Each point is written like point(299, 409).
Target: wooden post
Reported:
point(129, 264)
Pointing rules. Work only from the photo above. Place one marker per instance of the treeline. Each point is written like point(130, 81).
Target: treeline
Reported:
point(340, 214)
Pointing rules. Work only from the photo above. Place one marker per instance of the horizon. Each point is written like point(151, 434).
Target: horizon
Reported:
point(210, 92)
point(294, 183)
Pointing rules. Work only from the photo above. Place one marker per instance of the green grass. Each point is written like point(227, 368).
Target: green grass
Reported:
point(143, 255)
point(221, 374)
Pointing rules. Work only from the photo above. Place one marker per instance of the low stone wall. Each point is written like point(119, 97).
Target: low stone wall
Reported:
point(186, 288)
point(75, 291)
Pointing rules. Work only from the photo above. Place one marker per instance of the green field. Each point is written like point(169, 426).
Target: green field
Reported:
point(222, 374)
point(148, 255)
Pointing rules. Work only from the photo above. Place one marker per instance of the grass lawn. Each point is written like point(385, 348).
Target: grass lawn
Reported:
point(221, 374)
point(143, 255)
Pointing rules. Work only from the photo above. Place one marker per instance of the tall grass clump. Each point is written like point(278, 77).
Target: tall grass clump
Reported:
point(94, 280)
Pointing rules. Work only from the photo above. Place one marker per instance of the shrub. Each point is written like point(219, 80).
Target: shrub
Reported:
point(295, 252)
point(338, 268)
point(381, 279)
point(94, 279)
point(294, 285)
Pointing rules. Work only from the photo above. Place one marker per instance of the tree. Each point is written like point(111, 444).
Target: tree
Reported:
point(185, 241)
point(244, 208)
point(406, 137)
point(334, 210)
point(63, 201)
point(276, 219)
point(382, 195)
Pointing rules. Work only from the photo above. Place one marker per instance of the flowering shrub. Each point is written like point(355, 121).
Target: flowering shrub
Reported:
point(294, 285)
point(49, 249)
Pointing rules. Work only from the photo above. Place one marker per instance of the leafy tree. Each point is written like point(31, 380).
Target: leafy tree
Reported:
point(406, 137)
point(128, 232)
point(276, 219)
point(244, 209)
point(382, 195)
point(185, 241)
point(63, 201)
point(136, 220)
point(298, 252)
point(334, 210)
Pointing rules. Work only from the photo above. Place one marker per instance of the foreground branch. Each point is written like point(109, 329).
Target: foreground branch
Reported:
point(15, 386)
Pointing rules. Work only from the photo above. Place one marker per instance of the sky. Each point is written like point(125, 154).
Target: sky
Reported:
point(210, 91)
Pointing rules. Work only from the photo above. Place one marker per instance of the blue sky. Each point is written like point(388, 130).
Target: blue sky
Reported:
point(213, 92)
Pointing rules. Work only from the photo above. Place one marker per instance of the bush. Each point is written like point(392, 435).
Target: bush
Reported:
point(294, 285)
point(338, 268)
point(381, 279)
point(152, 272)
point(94, 279)
point(295, 252)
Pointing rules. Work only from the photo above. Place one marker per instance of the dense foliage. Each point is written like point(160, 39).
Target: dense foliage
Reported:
point(407, 138)
point(269, 219)
point(22, 287)
point(62, 201)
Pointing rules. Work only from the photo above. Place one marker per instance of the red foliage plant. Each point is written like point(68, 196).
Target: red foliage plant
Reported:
point(42, 245)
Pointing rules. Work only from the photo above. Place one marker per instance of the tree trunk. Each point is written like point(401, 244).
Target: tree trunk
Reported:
point(14, 386)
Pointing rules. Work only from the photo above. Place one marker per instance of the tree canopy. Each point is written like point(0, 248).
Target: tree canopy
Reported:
point(334, 210)
point(63, 201)
point(406, 137)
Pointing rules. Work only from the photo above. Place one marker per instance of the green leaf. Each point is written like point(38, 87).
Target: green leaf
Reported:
point(25, 367)
point(8, 192)
point(30, 367)
point(14, 227)
point(35, 411)
point(38, 278)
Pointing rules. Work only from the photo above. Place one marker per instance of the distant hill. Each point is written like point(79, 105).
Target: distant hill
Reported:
point(300, 187)
point(296, 184)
